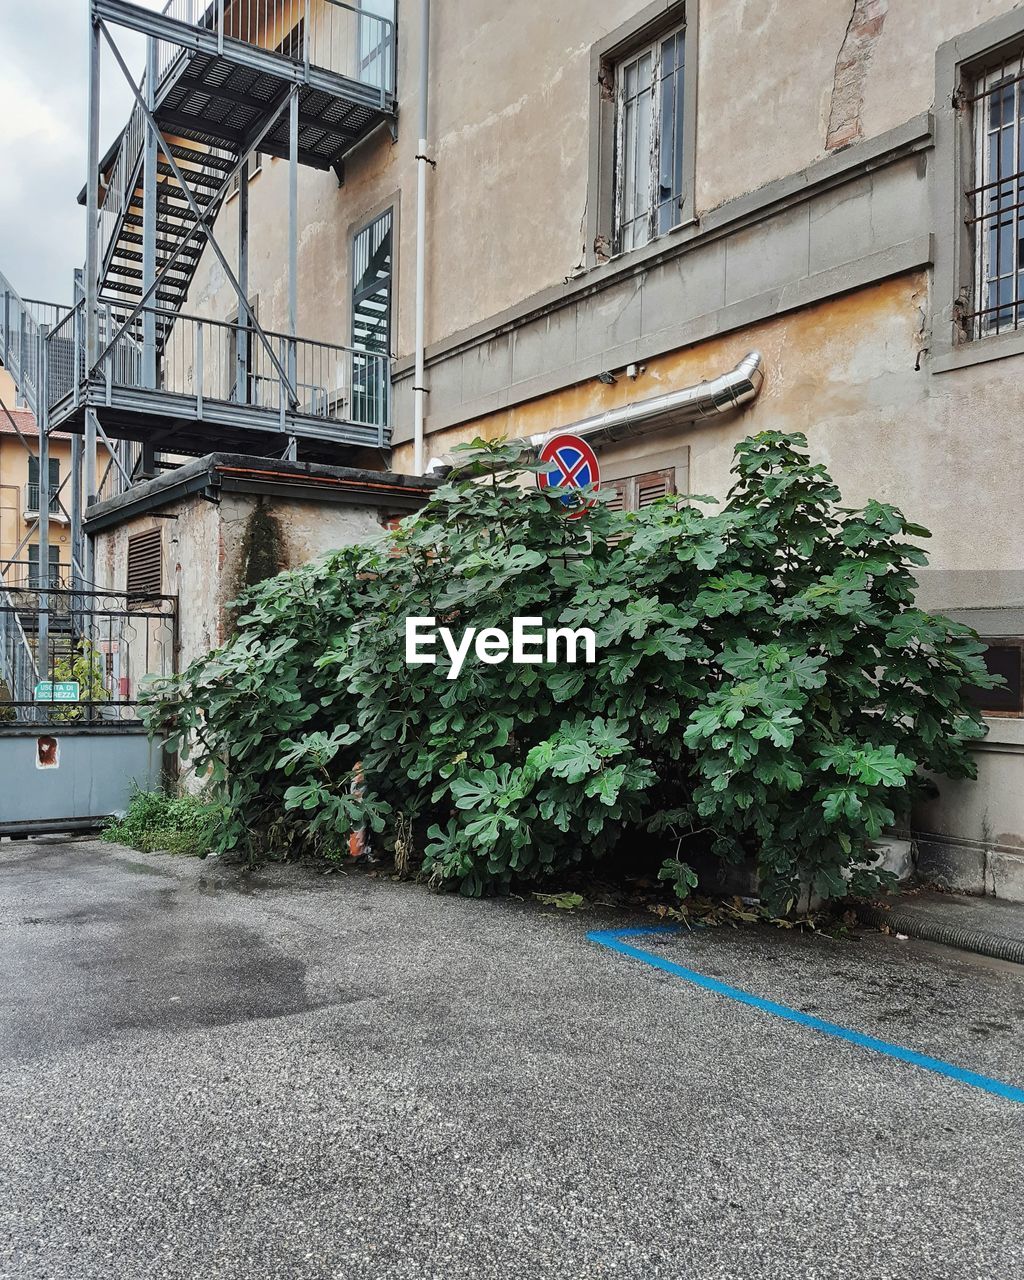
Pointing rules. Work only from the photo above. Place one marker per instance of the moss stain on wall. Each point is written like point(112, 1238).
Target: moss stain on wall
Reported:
point(263, 554)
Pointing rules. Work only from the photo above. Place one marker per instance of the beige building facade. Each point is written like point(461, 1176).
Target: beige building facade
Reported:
point(625, 199)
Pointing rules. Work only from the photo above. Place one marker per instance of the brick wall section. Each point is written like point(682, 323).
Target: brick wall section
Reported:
point(866, 23)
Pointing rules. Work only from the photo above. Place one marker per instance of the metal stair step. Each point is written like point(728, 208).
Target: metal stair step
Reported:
point(224, 163)
point(194, 177)
point(165, 247)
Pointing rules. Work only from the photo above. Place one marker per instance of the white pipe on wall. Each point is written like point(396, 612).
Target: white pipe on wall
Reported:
point(419, 382)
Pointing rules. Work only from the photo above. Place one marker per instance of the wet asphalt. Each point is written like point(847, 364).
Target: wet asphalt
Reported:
point(210, 1073)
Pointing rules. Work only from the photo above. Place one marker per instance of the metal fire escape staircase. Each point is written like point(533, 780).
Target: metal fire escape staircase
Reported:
point(301, 80)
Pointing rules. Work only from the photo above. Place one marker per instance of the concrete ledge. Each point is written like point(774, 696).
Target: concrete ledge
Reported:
point(964, 867)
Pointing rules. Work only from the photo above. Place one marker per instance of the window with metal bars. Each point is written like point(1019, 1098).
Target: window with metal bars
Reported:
point(32, 489)
point(650, 148)
point(145, 572)
point(996, 201)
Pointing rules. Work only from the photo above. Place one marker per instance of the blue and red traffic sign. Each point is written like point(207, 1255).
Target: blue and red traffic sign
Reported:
point(573, 468)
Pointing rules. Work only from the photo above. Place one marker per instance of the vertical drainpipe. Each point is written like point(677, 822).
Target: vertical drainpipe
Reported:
point(419, 383)
point(149, 181)
point(92, 270)
point(293, 250)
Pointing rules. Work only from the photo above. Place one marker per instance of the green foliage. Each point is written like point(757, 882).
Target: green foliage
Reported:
point(84, 664)
point(158, 822)
point(765, 686)
point(561, 901)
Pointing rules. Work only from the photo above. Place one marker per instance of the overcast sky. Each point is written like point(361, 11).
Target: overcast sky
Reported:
point(43, 109)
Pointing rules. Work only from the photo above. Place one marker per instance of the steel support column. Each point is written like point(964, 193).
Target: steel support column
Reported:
point(293, 252)
point(242, 337)
point(43, 423)
point(149, 220)
point(92, 271)
point(77, 557)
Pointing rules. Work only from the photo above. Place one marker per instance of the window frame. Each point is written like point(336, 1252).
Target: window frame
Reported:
point(371, 397)
point(1003, 713)
point(987, 319)
point(34, 566)
point(959, 65)
point(30, 484)
point(253, 169)
point(656, 22)
point(624, 101)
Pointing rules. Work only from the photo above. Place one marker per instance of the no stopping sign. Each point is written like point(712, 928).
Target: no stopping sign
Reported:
point(573, 466)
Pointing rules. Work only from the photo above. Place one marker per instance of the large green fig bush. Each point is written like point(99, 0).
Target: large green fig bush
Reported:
point(764, 686)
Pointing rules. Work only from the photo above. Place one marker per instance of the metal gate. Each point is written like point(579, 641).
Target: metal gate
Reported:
point(72, 745)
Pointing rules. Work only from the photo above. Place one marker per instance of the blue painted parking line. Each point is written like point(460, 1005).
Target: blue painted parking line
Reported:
point(613, 940)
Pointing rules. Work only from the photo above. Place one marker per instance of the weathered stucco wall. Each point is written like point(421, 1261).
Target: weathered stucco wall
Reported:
point(510, 128)
point(845, 373)
point(204, 554)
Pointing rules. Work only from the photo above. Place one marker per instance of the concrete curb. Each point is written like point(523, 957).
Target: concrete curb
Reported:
point(985, 944)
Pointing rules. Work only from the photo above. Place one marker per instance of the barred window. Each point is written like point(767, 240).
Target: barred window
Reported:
point(996, 201)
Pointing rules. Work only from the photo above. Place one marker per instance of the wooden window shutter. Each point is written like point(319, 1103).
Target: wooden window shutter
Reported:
point(654, 485)
point(145, 577)
point(618, 488)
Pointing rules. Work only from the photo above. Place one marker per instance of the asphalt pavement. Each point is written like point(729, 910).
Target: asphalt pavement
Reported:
point(211, 1073)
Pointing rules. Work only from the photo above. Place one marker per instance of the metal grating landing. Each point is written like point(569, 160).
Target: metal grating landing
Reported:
point(217, 102)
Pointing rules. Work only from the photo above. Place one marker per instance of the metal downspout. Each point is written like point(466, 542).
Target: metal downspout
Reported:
point(419, 382)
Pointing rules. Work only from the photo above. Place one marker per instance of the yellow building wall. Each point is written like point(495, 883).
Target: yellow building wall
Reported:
point(15, 520)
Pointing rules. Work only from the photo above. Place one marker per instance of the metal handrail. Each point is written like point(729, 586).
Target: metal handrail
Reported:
point(198, 358)
point(18, 668)
point(19, 343)
point(32, 501)
point(338, 47)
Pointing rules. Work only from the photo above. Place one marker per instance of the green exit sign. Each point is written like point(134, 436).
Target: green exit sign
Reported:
point(58, 691)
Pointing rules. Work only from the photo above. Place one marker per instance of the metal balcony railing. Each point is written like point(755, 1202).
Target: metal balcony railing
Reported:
point(23, 575)
point(32, 501)
point(329, 35)
point(214, 361)
point(19, 342)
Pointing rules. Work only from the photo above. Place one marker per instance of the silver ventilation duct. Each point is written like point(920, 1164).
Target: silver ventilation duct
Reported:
point(724, 394)
point(729, 392)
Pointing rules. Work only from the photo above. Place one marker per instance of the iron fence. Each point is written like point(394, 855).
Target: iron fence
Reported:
point(90, 668)
point(24, 575)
